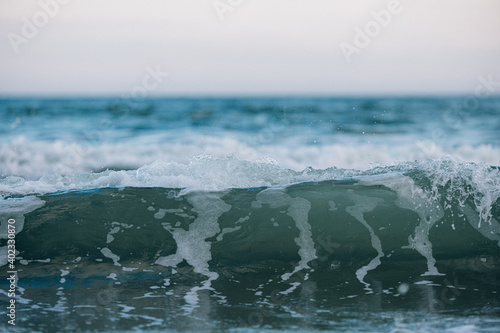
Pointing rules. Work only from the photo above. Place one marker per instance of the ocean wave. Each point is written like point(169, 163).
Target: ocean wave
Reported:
point(362, 226)
point(462, 180)
point(246, 233)
point(35, 159)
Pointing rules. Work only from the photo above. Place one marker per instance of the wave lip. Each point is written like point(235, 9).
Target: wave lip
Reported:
point(207, 173)
point(202, 173)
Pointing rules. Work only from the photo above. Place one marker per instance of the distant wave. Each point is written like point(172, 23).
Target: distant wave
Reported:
point(32, 160)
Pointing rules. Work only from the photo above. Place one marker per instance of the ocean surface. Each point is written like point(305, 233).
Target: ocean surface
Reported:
point(250, 214)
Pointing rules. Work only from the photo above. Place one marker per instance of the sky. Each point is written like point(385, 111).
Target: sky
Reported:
point(248, 47)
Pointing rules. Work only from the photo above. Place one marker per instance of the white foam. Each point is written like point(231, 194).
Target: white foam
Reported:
point(202, 173)
point(226, 231)
point(108, 254)
point(209, 173)
point(34, 159)
point(109, 236)
point(489, 230)
point(129, 269)
point(464, 329)
point(403, 288)
point(363, 205)
point(148, 295)
point(291, 289)
point(61, 304)
point(160, 214)
point(191, 244)
point(412, 197)
point(464, 181)
point(15, 208)
point(298, 210)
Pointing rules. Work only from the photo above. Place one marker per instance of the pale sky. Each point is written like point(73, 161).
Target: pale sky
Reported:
point(100, 47)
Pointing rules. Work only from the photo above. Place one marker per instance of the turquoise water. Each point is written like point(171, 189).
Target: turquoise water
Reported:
point(251, 214)
point(67, 136)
